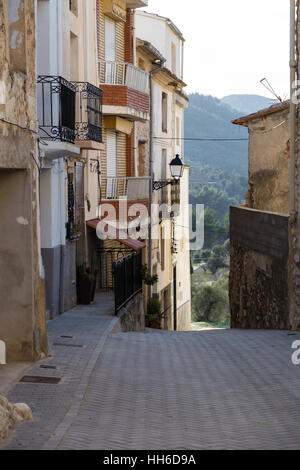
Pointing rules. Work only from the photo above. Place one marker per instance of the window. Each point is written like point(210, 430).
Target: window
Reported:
point(178, 131)
point(162, 248)
point(74, 55)
point(164, 105)
point(16, 31)
point(71, 206)
point(173, 55)
point(164, 191)
point(73, 5)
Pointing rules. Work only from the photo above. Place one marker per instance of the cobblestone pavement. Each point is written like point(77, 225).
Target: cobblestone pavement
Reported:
point(218, 389)
point(75, 342)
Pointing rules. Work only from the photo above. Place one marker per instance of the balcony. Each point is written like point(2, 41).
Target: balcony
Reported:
point(125, 90)
point(130, 188)
point(124, 192)
point(88, 117)
point(56, 98)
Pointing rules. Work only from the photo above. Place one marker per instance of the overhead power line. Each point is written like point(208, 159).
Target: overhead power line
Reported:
point(200, 139)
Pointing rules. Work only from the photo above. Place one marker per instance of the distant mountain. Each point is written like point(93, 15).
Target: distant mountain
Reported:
point(210, 118)
point(247, 104)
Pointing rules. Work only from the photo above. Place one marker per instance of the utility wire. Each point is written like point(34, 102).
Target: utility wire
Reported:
point(24, 128)
point(201, 140)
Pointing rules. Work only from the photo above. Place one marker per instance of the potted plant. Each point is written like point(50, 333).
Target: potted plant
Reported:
point(147, 278)
point(154, 315)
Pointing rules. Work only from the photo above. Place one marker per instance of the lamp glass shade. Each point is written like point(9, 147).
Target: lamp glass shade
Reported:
point(176, 168)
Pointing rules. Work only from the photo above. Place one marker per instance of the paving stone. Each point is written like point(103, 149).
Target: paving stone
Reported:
point(218, 389)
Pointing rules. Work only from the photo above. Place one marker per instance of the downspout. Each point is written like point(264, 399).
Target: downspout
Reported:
point(60, 70)
point(157, 69)
point(61, 165)
point(293, 109)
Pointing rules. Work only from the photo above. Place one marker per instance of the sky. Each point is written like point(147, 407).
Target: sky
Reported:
point(232, 44)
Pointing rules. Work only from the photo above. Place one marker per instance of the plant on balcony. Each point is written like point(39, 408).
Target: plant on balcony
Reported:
point(154, 315)
point(146, 276)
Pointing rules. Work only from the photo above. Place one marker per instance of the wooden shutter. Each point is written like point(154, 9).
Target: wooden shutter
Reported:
point(110, 39)
point(111, 163)
point(110, 50)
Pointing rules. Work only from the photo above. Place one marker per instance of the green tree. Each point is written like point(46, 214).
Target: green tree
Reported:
point(211, 227)
point(226, 224)
point(210, 303)
point(217, 259)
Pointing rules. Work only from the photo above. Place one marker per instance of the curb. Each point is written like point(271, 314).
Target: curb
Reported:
point(54, 441)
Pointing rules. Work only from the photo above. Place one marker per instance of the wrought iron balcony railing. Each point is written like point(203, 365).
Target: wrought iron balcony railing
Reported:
point(88, 125)
point(132, 188)
point(122, 73)
point(56, 108)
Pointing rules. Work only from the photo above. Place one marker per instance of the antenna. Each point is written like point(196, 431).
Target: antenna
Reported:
point(269, 87)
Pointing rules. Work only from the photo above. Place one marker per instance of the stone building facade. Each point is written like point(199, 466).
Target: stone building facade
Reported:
point(160, 52)
point(22, 313)
point(260, 232)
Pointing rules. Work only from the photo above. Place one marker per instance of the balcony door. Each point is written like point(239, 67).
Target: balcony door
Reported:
point(111, 164)
point(110, 50)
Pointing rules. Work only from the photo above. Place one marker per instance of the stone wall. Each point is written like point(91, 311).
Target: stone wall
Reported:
point(259, 269)
point(22, 311)
point(132, 317)
point(269, 166)
point(295, 223)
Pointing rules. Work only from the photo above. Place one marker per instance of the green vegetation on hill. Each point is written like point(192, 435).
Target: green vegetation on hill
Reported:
point(218, 180)
point(207, 117)
point(248, 104)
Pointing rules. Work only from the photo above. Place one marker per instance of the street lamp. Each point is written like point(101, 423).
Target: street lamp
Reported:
point(176, 168)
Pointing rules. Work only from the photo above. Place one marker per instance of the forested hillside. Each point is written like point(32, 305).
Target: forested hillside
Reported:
point(207, 117)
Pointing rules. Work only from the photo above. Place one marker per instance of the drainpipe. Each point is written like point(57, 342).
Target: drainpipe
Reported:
point(157, 69)
point(293, 109)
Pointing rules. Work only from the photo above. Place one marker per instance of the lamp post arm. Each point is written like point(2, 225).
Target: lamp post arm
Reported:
point(162, 184)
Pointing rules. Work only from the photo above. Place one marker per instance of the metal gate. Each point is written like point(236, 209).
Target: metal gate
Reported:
point(127, 279)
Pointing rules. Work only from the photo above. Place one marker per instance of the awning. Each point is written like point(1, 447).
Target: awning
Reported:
point(118, 235)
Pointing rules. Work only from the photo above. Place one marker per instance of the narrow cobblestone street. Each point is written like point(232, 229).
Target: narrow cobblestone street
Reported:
point(217, 389)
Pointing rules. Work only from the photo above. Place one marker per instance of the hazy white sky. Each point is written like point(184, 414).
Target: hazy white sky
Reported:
point(232, 44)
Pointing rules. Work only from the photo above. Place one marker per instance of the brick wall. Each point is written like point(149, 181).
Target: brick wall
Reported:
point(117, 205)
point(118, 95)
point(129, 36)
point(258, 284)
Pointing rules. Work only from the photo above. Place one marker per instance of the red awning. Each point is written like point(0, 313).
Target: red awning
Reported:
point(116, 234)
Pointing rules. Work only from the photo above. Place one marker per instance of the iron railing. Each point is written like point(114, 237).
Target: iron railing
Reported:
point(127, 279)
point(56, 108)
point(132, 188)
point(88, 125)
point(122, 73)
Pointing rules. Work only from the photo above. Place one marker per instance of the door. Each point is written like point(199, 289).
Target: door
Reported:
point(111, 164)
point(110, 51)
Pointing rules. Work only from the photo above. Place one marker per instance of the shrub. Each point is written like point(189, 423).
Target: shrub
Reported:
point(211, 303)
point(154, 308)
